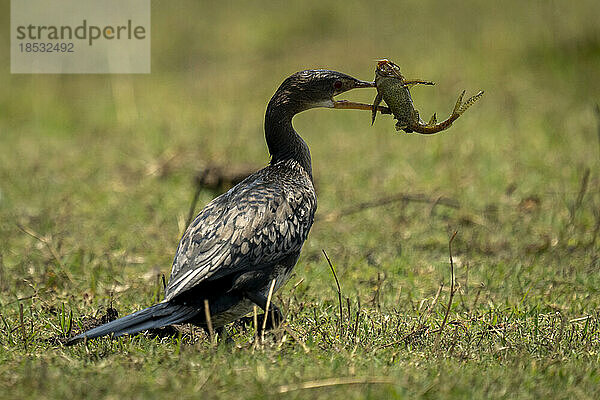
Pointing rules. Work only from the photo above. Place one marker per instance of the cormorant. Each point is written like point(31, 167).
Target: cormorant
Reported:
point(252, 234)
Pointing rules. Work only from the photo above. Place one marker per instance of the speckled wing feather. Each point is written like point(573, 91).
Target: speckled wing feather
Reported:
point(256, 224)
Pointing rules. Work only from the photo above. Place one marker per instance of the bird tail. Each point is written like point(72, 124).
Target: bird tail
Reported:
point(157, 316)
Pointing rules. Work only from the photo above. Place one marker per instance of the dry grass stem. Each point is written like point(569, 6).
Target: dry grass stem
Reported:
point(598, 119)
point(394, 198)
point(264, 324)
point(211, 332)
point(192, 210)
point(582, 189)
point(339, 291)
point(439, 337)
point(22, 324)
point(336, 382)
point(47, 242)
point(296, 339)
point(580, 319)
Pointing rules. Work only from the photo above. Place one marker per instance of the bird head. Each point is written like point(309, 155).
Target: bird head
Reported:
point(316, 88)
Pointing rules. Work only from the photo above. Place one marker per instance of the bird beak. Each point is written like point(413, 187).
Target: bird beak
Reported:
point(363, 84)
point(350, 105)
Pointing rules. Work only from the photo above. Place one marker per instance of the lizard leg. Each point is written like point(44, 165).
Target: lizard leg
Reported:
point(459, 109)
point(433, 120)
point(412, 82)
point(403, 126)
point(376, 102)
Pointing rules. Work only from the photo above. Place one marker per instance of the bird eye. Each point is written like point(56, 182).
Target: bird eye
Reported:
point(337, 84)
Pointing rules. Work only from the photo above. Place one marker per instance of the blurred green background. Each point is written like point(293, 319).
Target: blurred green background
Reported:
point(101, 167)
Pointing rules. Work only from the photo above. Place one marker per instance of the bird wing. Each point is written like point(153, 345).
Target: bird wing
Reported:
point(255, 224)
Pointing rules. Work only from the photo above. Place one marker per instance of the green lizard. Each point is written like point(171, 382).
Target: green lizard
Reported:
point(393, 88)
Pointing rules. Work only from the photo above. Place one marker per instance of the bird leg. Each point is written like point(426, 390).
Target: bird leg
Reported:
point(261, 300)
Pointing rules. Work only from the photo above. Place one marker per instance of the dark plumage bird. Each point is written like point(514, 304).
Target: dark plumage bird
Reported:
point(252, 234)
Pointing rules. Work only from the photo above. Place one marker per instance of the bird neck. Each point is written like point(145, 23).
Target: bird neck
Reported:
point(283, 141)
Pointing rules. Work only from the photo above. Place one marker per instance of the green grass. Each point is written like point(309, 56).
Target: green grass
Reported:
point(100, 168)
